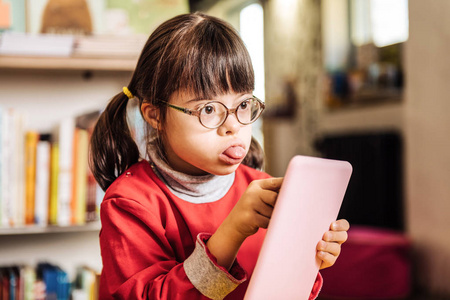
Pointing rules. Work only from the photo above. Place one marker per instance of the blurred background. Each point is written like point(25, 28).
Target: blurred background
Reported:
point(360, 80)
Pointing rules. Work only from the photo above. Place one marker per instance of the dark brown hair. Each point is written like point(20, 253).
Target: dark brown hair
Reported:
point(193, 52)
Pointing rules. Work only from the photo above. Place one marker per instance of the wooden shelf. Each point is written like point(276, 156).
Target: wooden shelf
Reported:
point(67, 63)
point(32, 229)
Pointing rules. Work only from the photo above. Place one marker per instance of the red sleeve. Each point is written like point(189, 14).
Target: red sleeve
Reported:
point(316, 287)
point(138, 261)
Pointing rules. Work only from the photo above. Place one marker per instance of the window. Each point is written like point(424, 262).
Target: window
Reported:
point(363, 46)
point(251, 22)
point(383, 22)
point(252, 33)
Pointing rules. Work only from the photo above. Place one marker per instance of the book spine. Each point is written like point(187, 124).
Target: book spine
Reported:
point(19, 166)
point(54, 171)
point(75, 191)
point(42, 195)
point(1, 166)
point(80, 176)
point(65, 176)
point(7, 168)
point(31, 141)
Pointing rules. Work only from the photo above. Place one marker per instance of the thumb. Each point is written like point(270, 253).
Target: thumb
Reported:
point(272, 184)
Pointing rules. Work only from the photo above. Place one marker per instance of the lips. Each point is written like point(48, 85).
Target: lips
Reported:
point(233, 154)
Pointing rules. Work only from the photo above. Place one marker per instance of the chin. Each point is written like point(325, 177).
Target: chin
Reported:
point(225, 170)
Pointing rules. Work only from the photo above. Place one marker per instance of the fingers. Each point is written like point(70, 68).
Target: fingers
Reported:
point(266, 189)
point(340, 225)
point(272, 184)
point(328, 252)
point(335, 236)
point(265, 207)
point(329, 247)
point(327, 259)
point(262, 221)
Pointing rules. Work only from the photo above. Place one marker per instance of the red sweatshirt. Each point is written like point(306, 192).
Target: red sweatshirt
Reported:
point(148, 233)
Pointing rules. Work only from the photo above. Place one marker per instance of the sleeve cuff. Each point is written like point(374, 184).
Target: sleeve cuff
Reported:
point(210, 279)
point(316, 287)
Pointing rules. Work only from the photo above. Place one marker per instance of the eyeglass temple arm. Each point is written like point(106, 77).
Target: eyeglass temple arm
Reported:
point(182, 109)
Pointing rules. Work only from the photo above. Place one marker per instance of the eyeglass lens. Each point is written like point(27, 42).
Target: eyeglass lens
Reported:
point(213, 114)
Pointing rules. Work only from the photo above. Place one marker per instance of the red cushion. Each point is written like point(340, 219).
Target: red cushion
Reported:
point(374, 264)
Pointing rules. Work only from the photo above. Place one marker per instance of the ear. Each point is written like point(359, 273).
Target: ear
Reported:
point(151, 114)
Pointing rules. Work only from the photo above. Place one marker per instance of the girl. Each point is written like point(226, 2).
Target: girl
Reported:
point(185, 224)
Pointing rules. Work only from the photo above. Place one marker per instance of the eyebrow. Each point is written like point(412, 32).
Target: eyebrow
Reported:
point(196, 99)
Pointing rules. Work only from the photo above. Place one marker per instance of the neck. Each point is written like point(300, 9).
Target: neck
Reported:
point(192, 188)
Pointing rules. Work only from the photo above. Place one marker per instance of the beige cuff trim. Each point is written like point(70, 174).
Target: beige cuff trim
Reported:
point(207, 277)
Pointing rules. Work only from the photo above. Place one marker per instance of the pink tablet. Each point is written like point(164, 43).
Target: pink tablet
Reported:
point(308, 202)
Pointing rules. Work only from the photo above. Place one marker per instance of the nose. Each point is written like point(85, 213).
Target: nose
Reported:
point(230, 126)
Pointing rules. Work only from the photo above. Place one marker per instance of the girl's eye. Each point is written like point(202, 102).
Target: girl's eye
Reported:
point(244, 104)
point(208, 109)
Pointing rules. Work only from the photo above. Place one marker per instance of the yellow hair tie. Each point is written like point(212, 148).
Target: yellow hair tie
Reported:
point(127, 92)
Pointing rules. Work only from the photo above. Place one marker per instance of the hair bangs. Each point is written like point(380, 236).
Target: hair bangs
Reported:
point(211, 60)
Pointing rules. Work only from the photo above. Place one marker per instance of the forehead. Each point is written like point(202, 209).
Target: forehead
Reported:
point(183, 97)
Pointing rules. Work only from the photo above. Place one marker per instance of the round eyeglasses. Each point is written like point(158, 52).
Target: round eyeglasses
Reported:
point(214, 113)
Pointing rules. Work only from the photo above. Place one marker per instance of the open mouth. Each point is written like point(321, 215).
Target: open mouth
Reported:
point(233, 155)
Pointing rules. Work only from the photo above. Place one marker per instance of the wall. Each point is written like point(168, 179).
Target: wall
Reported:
point(427, 120)
point(293, 63)
point(48, 96)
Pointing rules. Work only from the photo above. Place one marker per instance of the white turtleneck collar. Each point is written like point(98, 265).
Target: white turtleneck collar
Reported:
point(194, 189)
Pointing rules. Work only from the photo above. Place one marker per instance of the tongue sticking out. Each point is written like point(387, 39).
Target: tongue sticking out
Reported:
point(235, 152)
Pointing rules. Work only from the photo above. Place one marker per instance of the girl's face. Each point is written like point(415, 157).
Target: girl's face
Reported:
point(193, 149)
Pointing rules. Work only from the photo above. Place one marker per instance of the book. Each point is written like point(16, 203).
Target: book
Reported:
point(65, 137)
point(27, 282)
point(127, 17)
point(34, 12)
point(5, 283)
point(80, 176)
point(15, 11)
point(19, 171)
point(75, 191)
point(109, 46)
point(14, 283)
point(1, 166)
point(36, 45)
point(94, 193)
point(12, 169)
point(56, 281)
point(42, 193)
point(54, 172)
point(7, 149)
point(31, 142)
point(86, 283)
point(5, 15)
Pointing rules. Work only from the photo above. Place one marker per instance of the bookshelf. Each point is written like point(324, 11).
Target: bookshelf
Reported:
point(24, 230)
point(67, 63)
point(48, 90)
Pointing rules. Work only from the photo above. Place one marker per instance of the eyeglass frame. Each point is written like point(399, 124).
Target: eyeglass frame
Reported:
point(229, 111)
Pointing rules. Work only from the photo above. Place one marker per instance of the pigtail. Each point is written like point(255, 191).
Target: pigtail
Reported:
point(255, 156)
point(112, 148)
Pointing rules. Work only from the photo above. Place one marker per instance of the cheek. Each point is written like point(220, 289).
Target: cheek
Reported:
point(182, 131)
point(247, 135)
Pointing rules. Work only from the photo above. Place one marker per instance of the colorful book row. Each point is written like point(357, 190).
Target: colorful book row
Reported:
point(47, 281)
point(44, 178)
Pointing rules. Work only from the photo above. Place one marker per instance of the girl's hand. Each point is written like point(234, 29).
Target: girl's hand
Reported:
point(254, 209)
point(251, 212)
point(329, 248)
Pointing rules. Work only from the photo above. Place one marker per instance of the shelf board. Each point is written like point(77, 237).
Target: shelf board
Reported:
point(67, 63)
point(33, 229)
